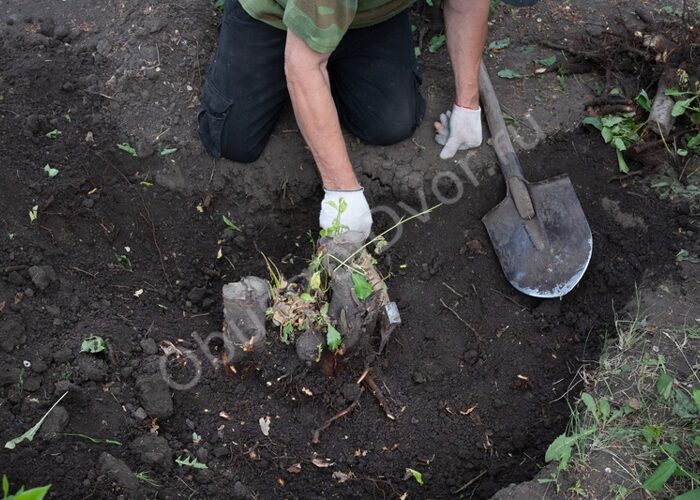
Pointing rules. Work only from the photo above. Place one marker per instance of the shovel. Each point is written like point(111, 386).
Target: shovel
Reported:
point(539, 231)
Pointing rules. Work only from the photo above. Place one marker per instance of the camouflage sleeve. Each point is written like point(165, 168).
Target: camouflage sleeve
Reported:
point(320, 23)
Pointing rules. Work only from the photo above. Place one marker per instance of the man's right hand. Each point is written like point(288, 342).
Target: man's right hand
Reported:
point(458, 129)
point(343, 211)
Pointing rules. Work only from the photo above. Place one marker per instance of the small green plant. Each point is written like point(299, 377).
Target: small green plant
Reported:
point(34, 494)
point(93, 345)
point(66, 371)
point(54, 134)
point(509, 74)
point(501, 44)
point(20, 381)
point(124, 260)
point(336, 227)
point(436, 43)
point(190, 462)
point(229, 224)
point(219, 5)
point(50, 171)
point(145, 476)
point(31, 433)
point(547, 61)
point(124, 146)
point(416, 475)
point(621, 131)
point(167, 151)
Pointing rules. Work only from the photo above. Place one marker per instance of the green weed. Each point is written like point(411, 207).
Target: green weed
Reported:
point(190, 462)
point(145, 476)
point(34, 494)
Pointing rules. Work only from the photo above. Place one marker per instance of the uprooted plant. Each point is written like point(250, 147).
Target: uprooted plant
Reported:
point(338, 296)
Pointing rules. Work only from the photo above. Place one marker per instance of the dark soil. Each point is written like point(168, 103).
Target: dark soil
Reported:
point(480, 400)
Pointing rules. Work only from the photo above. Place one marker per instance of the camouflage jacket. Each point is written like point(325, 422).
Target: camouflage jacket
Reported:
point(322, 23)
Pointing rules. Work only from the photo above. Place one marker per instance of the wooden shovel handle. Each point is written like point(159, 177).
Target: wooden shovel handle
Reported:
point(510, 166)
point(507, 159)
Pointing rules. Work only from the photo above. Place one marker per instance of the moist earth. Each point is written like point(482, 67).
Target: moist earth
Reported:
point(134, 249)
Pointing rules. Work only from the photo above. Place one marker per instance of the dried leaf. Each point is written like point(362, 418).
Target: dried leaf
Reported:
point(224, 415)
point(265, 425)
point(322, 462)
point(343, 476)
point(294, 468)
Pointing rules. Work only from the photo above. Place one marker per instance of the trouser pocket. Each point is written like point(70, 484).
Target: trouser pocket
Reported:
point(212, 118)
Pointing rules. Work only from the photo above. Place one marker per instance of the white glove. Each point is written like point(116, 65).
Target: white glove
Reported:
point(343, 211)
point(457, 130)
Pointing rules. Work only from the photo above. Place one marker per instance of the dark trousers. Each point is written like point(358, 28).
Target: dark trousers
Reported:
point(373, 73)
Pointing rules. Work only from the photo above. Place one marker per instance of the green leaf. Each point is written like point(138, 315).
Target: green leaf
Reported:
point(168, 151)
point(671, 449)
point(658, 479)
point(416, 475)
point(619, 144)
point(643, 100)
point(29, 435)
point(680, 106)
point(593, 121)
point(361, 286)
point(664, 384)
point(5, 486)
point(52, 172)
point(588, 400)
point(229, 223)
point(560, 450)
point(220, 4)
point(612, 120)
point(652, 433)
point(306, 297)
point(684, 407)
point(607, 134)
point(547, 61)
point(190, 462)
point(682, 152)
point(689, 495)
point(685, 256)
point(499, 44)
point(509, 74)
point(33, 494)
point(315, 281)
point(604, 407)
point(435, 43)
point(694, 142)
point(93, 345)
point(675, 92)
point(333, 338)
point(53, 134)
point(287, 330)
point(621, 163)
point(124, 146)
point(696, 398)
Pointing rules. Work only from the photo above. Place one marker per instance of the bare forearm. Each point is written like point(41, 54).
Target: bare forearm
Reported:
point(466, 27)
point(317, 117)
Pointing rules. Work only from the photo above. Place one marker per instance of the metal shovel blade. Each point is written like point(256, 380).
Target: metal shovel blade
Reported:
point(547, 255)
